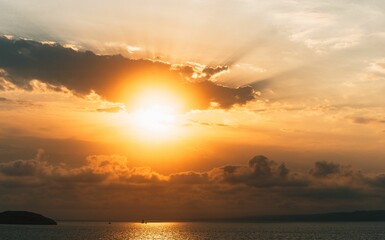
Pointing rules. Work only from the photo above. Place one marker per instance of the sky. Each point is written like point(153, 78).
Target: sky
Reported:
point(171, 110)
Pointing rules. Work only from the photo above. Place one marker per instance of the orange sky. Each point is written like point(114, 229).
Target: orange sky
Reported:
point(158, 108)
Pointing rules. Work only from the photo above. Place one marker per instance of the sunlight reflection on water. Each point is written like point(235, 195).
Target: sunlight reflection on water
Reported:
point(198, 231)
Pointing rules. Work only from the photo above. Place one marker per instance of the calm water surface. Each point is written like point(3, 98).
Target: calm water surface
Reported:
point(179, 231)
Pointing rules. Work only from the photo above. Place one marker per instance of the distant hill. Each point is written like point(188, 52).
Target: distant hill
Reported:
point(26, 218)
point(356, 216)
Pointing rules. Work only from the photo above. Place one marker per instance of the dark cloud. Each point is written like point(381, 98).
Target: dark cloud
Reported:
point(261, 186)
point(189, 178)
point(324, 169)
point(78, 177)
point(377, 181)
point(113, 77)
point(201, 73)
point(32, 167)
point(261, 173)
point(261, 166)
point(207, 92)
point(283, 171)
point(361, 120)
point(230, 169)
point(210, 71)
point(367, 120)
point(21, 168)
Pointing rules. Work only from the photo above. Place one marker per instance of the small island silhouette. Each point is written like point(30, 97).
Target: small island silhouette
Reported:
point(24, 218)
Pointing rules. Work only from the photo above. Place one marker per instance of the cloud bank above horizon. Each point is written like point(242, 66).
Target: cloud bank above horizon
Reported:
point(226, 191)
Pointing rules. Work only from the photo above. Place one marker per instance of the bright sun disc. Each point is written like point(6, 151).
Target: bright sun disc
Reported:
point(155, 118)
point(154, 114)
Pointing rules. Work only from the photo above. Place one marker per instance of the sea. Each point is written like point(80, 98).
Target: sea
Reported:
point(195, 231)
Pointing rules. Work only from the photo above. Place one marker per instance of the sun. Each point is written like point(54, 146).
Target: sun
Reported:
point(154, 113)
point(155, 117)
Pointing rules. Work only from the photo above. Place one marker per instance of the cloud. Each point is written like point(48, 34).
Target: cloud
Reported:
point(376, 70)
point(32, 167)
point(211, 71)
point(23, 168)
point(208, 124)
point(377, 181)
point(189, 178)
point(113, 77)
point(113, 182)
point(260, 173)
point(208, 92)
point(324, 169)
point(367, 120)
point(110, 109)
